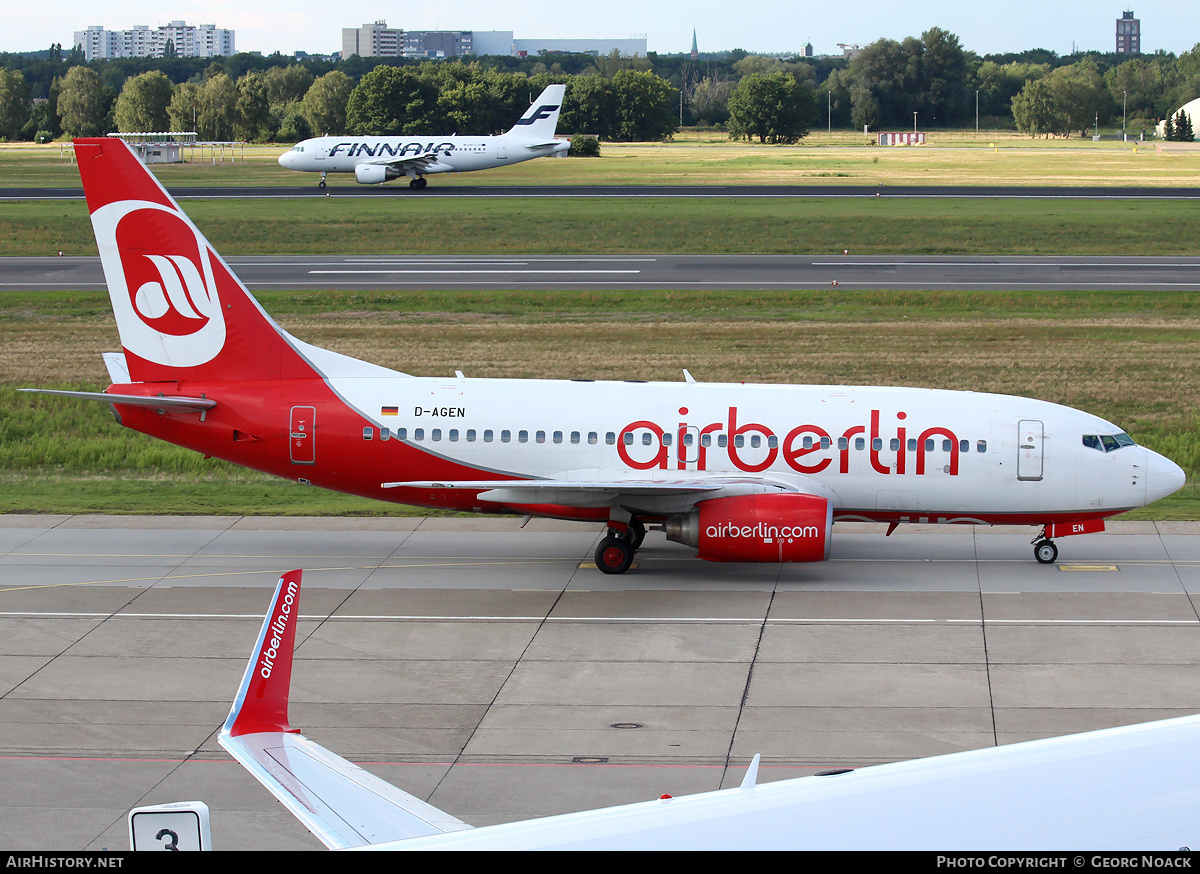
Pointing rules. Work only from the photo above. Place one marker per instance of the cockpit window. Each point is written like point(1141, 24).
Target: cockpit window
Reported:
point(1107, 442)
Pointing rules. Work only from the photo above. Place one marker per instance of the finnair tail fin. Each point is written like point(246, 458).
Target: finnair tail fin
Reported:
point(339, 802)
point(541, 119)
point(181, 312)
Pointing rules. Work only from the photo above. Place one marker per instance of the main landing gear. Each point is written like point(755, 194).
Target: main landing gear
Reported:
point(418, 182)
point(321, 184)
point(615, 553)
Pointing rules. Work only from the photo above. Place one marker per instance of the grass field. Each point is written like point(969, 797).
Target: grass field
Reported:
point(1125, 355)
point(958, 158)
point(658, 225)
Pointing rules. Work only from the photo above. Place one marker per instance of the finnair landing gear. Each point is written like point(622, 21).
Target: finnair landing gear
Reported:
point(1045, 551)
point(418, 182)
point(321, 184)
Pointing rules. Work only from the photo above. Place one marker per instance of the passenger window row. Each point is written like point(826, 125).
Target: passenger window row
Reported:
point(754, 441)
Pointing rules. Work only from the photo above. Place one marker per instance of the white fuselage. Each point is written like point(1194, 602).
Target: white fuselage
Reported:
point(910, 454)
point(451, 154)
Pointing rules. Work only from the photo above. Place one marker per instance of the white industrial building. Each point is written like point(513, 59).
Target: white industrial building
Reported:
point(143, 41)
point(377, 40)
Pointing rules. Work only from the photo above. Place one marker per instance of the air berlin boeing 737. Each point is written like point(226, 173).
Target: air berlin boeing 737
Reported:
point(374, 160)
point(743, 473)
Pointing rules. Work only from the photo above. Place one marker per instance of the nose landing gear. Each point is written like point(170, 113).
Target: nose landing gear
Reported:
point(1045, 550)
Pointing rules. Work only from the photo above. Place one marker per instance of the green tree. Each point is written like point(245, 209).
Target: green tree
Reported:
point(184, 107)
point(81, 103)
point(324, 104)
point(1080, 96)
point(590, 107)
point(710, 100)
point(647, 106)
point(253, 111)
point(772, 107)
point(1035, 111)
point(16, 107)
point(142, 104)
point(216, 116)
point(392, 101)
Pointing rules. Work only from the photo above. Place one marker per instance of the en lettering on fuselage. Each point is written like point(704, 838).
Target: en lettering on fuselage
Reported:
point(738, 472)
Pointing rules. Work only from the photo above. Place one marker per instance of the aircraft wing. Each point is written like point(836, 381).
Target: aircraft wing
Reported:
point(1128, 788)
point(339, 802)
point(602, 493)
point(415, 162)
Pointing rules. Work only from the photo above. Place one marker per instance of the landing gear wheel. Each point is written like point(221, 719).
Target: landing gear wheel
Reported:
point(614, 555)
point(321, 184)
point(419, 182)
point(1045, 551)
point(635, 534)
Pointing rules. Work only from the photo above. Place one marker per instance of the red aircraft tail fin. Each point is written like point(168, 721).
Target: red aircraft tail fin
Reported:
point(181, 312)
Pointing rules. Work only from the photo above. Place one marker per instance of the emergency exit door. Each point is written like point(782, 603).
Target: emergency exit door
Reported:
point(302, 435)
point(1030, 448)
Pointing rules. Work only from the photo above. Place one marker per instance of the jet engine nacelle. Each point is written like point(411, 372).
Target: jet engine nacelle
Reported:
point(772, 527)
point(374, 174)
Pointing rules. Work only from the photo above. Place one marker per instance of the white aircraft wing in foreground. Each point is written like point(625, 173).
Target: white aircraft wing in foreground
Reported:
point(1129, 788)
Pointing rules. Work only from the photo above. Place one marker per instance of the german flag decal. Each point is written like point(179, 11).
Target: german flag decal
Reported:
point(389, 411)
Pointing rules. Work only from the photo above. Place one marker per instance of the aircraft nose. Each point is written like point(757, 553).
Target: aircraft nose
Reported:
point(1163, 476)
point(285, 160)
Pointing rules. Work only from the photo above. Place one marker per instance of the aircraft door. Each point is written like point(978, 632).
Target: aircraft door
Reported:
point(302, 435)
point(685, 450)
point(1030, 444)
point(501, 148)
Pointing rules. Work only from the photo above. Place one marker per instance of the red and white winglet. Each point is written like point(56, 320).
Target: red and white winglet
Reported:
point(339, 802)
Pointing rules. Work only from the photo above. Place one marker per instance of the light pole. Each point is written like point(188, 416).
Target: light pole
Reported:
point(914, 124)
point(829, 112)
point(977, 111)
point(1124, 95)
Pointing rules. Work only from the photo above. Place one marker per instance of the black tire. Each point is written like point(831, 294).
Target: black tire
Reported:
point(1045, 551)
point(635, 534)
point(614, 555)
point(321, 184)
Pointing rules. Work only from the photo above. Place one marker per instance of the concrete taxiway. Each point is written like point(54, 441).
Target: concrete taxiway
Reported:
point(493, 671)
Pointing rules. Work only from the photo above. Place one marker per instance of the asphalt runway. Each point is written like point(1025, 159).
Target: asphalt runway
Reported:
point(732, 272)
point(492, 671)
point(438, 187)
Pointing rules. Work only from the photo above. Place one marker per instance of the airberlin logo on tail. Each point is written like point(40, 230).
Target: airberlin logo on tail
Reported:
point(276, 630)
point(544, 111)
point(163, 282)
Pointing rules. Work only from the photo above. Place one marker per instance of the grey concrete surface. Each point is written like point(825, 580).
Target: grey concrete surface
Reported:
point(493, 671)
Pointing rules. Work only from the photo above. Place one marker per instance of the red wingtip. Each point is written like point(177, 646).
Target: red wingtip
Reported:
point(264, 706)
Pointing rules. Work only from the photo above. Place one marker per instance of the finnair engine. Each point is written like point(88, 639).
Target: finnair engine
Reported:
point(374, 174)
point(770, 527)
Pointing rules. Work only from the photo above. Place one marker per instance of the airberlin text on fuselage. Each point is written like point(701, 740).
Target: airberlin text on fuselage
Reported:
point(277, 628)
point(393, 150)
point(803, 455)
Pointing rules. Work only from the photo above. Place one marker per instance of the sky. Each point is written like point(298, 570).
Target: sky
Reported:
point(315, 26)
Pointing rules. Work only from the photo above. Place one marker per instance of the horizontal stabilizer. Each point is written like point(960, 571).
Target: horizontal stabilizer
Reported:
point(157, 402)
point(339, 802)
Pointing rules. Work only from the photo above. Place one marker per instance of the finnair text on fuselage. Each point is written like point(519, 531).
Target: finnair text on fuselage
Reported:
point(380, 149)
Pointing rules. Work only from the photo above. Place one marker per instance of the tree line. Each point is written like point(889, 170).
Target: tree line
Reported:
point(930, 81)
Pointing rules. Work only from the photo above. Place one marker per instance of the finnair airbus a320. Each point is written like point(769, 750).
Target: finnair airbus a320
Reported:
point(741, 473)
point(374, 160)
